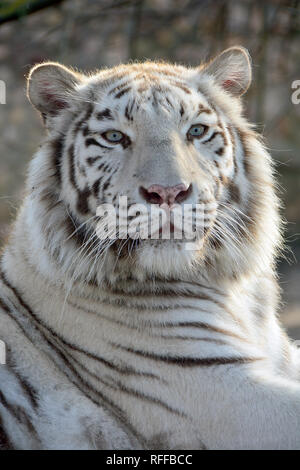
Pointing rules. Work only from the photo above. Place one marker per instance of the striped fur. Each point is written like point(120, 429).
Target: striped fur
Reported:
point(146, 345)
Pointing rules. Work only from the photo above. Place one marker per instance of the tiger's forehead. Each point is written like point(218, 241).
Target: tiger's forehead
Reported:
point(149, 86)
point(141, 78)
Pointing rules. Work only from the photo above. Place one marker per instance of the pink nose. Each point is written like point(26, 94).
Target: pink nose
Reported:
point(157, 194)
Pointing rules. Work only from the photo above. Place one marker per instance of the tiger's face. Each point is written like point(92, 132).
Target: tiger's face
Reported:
point(148, 136)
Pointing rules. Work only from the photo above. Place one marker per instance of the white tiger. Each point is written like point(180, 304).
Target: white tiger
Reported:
point(146, 345)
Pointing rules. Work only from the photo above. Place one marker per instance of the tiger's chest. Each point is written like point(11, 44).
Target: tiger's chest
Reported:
point(106, 383)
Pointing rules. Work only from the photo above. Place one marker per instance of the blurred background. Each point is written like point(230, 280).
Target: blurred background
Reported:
point(91, 34)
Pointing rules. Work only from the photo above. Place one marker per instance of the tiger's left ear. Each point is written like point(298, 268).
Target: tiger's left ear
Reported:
point(50, 86)
point(231, 70)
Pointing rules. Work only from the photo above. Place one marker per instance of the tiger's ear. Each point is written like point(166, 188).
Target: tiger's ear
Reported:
point(231, 70)
point(49, 87)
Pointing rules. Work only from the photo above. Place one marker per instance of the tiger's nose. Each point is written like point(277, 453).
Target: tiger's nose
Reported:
point(157, 194)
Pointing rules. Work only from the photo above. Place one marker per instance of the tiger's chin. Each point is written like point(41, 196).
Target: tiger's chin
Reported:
point(168, 258)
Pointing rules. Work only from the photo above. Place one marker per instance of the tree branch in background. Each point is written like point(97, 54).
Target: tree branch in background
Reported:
point(13, 10)
point(134, 29)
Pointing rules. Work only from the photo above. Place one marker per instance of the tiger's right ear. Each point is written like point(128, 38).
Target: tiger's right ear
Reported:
point(49, 87)
point(231, 70)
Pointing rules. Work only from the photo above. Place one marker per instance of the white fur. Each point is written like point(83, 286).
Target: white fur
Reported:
point(162, 301)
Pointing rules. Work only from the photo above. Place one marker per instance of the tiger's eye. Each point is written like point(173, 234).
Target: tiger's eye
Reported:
point(113, 136)
point(196, 131)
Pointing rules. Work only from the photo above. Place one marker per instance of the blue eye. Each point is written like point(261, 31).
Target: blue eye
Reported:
point(198, 130)
point(113, 136)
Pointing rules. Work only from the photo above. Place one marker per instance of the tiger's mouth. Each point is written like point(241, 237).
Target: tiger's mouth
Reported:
point(133, 247)
point(187, 223)
point(153, 239)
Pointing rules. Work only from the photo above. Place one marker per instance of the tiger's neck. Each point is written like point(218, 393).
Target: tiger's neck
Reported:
point(140, 304)
point(155, 312)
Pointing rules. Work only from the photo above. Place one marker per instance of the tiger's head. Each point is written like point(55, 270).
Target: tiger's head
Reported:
point(160, 135)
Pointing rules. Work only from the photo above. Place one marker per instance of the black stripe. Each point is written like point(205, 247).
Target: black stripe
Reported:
point(204, 326)
point(86, 131)
point(91, 141)
point(118, 87)
point(4, 306)
point(155, 308)
point(18, 413)
point(5, 442)
point(56, 147)
point(127, 113)
point(82, 205)
point(6, 405)
point(106, 114)
point(82, 195)
point(122, 92)
point(92, 160)
point(83, 120)
point(96, 186)
point(169, 103)
point(170, 294)
point(185, 361)
point(128, 370)
point(133, 392)
point(126, 142)
point(214, 134)
point(181, 111)
point(105, 167)
point(10, 313)
point(192, 283)
point(106, 185)
point(72, 166)
point(30, 392)
point(191, 338)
